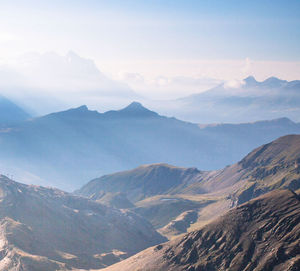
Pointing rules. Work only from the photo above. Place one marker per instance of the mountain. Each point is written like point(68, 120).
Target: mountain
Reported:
point(48, 229)
point(142, 182)
point(262, 234)
point(10, 113)
point(176, 200)
point(117, 200)
point(68, 148)
point(241, 101)
point(271, 166)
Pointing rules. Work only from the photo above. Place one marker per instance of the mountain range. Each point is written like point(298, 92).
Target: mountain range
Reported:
point(247, 100)
point(243, 217)
point(176, 199)
point(68, 148)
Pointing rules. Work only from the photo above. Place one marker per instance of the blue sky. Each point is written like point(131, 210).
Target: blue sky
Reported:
point(268, 30)
point(219, 39)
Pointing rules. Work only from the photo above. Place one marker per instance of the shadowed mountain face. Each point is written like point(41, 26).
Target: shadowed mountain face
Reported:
point(79, 144)
point(47, 229)
point(10, 113)
point(262, 234)
point(243, 101)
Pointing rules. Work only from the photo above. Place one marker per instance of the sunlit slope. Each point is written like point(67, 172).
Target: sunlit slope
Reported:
point(262, 234)
point(48, 229)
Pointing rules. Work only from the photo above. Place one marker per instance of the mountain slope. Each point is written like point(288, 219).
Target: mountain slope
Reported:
point(273, 165)
point(48, 229)
point(165, 194)
point(262, 234)
point(144, 181)
point(79, 144)
point(10, 113)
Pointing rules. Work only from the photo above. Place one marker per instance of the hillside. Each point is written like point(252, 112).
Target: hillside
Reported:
point(142, 182)
point(48, 229)
point(66, 149)
point(262, 234)
point(271, 166)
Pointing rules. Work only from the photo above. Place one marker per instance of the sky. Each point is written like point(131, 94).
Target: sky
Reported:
point(164, 48)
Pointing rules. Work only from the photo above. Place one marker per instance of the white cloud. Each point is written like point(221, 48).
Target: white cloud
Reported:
point(234, 84)
point(7, 37)
point(168, 87)
point(247, 66)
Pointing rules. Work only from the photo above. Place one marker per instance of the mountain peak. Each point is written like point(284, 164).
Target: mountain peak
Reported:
point(81, 108)
point(273, 82)
point(135, 109)
point(250, 80)
point(135, 106)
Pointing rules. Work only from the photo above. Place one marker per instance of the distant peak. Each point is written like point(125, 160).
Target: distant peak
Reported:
point(135, 106)
point(81, 108)
point(135, 109)
point(250, 79)
point(273, 79)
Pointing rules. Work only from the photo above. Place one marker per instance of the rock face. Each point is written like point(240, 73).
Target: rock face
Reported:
point(263, 234)
point(48, 229)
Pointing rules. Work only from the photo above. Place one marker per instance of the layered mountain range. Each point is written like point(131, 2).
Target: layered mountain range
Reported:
point(207, 214)
point(176, 200)
point(241, 101)
point(68, 148)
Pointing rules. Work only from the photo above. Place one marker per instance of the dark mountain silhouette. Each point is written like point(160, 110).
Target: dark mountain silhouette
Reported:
point(262, 234)
point(48, 229)
point(67, 148)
